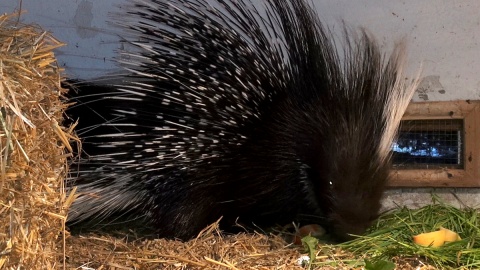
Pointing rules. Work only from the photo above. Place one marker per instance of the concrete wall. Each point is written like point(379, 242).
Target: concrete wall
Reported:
point(83, 25)
point(443, 35)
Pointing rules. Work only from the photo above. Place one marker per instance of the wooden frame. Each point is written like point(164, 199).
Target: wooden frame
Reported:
point(467, 110)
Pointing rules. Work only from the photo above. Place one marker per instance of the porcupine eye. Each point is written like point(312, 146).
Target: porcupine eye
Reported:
point(319, 193)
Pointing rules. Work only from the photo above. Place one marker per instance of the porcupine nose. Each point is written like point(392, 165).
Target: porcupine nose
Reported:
point(343, 230)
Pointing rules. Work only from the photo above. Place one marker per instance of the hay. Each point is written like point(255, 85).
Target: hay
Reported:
point(210, 250)
point(33, 148)
point(213, 250)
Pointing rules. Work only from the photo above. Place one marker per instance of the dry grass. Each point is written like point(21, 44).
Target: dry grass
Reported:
point(213, 250)
point(210, 250)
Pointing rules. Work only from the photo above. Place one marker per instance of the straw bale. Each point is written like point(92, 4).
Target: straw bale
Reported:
point(33, 148)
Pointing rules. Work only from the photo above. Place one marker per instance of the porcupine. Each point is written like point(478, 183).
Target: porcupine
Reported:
point(229, 112)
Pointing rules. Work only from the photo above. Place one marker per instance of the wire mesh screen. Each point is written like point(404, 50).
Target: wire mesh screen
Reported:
point(429, 144)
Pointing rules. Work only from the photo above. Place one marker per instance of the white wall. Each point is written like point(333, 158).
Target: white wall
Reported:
point(81, 24)
point(444, 35)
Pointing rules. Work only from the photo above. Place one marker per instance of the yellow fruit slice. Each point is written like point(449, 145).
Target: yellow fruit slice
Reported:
point(434, 239)
point(450, 236)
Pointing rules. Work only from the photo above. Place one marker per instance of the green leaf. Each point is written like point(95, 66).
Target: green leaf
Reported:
point(379, 265)
point(310, 244)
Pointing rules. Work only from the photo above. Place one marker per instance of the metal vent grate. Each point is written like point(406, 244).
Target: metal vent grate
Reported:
point(429, 144)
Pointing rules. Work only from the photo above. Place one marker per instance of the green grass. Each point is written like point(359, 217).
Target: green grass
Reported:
point(391, 236)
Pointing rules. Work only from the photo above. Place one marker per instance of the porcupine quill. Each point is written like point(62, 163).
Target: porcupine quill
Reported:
point(229, 112)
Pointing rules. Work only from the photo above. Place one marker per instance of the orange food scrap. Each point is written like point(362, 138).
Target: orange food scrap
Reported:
point(450, 236)
point(436, 238)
